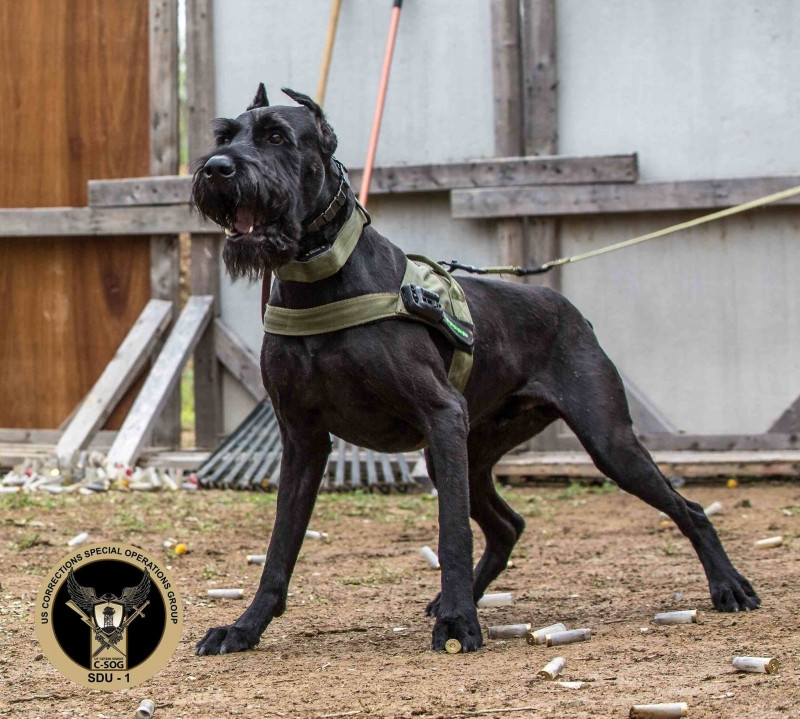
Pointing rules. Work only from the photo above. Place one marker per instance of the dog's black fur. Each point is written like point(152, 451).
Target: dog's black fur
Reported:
point(384, 385)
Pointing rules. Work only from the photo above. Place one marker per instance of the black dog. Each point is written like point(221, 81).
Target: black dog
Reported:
point(385, 385)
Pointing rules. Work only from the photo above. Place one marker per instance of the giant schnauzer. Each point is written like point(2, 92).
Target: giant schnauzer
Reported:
point(268, 182)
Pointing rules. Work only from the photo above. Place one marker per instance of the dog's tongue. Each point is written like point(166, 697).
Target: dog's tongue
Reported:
point(244, 221)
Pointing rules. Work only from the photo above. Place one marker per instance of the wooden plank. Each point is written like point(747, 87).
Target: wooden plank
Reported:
point(508, 116)
point(683, 464)
point(492, 172)
point(199, 75)
point(74, 106)
point(81, 221)
point(162, 380)
point(10, 436)
point(646, 416)
point(164, 160)
point(163, 48)
point(539, 77)
point(207, 380)
point(789, 421)
point(662, 441)
point(599, 199)
point(239, 360)
point(117, 377)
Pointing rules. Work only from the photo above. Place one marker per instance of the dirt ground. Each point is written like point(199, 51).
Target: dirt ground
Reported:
point(354, 641)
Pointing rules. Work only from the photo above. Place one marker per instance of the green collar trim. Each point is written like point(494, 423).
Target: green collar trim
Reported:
point(332, 260)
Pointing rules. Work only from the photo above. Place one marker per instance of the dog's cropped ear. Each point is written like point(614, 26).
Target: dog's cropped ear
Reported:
point(260, 100)
point(328, 142)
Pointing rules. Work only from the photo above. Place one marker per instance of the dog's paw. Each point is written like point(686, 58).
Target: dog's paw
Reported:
point(466, 629)
point(224, 640)
point(432, 610)
point(734, 594)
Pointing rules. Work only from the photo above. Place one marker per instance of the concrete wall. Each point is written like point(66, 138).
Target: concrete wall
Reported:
point(705, 323)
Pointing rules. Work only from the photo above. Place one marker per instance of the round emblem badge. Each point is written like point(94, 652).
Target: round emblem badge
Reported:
point(108, 616)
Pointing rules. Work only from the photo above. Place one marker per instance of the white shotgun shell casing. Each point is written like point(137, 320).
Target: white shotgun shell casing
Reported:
point(713, 508)
point(430, 556)
point(569, 637)
point(146, 709)
point(538, 636)
point(687, 616)
point(769, 542)
point(764, 665)
point(659, 711)
point(225, 593)
point(502, 599)
point(552, 669)
point(256, 558)
point(78, 539)
point(508, 631)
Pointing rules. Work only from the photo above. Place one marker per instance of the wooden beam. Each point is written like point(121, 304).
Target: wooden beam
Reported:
point(115, 380)
point(77, 221)
point(789, 421)
point(492, 172)
point(162, 380)
point(663, 441)
point(205, 249)
point(646, 416)
point(199, 75)
point(538, 465)
point(508, 115)
point(239, 360)
point(207, 381)
point(164, 160)
point(599, 199)
point(164, 140)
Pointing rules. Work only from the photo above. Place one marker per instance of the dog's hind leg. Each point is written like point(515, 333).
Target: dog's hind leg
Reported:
point(302, 467)
point(593, 403)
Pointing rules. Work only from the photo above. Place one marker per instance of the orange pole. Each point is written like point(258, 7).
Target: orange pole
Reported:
point(376, 120)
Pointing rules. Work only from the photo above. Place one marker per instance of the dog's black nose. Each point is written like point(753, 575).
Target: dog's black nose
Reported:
point(219, 166)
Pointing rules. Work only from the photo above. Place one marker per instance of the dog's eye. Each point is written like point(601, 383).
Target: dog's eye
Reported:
point(275, 139)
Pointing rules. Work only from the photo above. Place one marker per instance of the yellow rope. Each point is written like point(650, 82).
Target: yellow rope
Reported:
point(776, 197)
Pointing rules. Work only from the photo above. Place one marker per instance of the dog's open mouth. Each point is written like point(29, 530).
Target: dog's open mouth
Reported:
point(244, 226)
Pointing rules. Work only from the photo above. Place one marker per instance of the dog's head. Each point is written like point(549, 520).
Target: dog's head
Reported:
point(267, 176)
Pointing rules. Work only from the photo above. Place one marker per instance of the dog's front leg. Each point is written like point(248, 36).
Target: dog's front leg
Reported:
point(447, 440)
point(302, 467)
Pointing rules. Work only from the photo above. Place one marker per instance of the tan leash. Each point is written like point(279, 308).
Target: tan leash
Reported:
point(547, 266)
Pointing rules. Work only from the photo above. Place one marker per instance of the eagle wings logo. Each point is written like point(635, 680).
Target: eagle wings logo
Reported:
point(108, 615)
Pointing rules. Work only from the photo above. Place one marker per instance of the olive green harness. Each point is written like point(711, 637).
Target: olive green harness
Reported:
point(409, 302)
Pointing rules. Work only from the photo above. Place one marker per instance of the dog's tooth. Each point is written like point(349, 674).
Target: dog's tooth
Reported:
point(251, 229)
point(229, 233)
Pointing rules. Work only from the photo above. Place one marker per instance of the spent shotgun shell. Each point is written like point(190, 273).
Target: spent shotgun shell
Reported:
point(552, 669)
point(502, 599)
point(430, 557)
point(764, 665)
point(659, 711)
point(311, 534)
point(256, 558)
point(78, 539)
point(769, 543)
point(713, 508)
point(569, 637)
point(225, 593)
point(538, 636)
point(509, 631)
point(145, 710)
point(684, 617)
point(452, 646)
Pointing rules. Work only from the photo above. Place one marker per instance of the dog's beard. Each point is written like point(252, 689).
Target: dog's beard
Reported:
point(272, 213)
point(270, 248)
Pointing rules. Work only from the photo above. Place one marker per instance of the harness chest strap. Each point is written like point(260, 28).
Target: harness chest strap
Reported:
point(365, 309)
